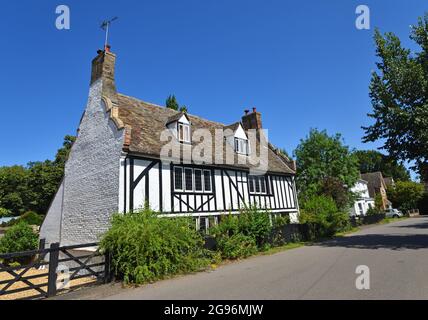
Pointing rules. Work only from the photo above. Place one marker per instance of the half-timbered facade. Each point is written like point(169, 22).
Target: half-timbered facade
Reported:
point(117, 165)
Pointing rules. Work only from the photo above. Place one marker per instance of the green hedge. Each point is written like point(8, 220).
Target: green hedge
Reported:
point(242, 235)
point(146, 248)
point(19, 238)
point(323, 217)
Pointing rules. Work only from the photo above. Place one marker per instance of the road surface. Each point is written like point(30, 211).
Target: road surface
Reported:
point(396, 255)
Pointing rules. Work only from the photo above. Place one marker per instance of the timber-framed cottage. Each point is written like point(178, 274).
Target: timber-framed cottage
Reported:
point(116, 165)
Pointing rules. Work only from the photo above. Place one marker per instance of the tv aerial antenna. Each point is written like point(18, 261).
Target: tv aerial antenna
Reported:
point(105, 25)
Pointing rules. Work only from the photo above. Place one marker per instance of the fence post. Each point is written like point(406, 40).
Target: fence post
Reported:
point(107, 268)
point(53, 266)
point(42, 244)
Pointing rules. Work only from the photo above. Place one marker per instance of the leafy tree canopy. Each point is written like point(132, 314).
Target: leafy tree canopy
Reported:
point(32, 187)
point(374, 161)
point(321, 157)
point(406, 195)
point(399, 92)
point(172, 103)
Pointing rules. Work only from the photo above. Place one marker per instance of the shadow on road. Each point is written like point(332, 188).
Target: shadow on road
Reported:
point(379, 241)
point(423, 225)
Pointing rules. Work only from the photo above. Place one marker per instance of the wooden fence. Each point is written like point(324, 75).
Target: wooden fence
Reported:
point(46, 272)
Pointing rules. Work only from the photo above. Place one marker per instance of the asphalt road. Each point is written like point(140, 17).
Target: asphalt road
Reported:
point(396, 254)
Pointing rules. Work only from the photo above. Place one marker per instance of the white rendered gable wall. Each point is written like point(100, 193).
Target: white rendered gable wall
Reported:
point(91, 182)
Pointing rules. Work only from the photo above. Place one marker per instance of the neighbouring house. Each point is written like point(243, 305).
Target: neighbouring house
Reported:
point(116, 165)
point(389, 182)
point(377, 186)
point(363, 201)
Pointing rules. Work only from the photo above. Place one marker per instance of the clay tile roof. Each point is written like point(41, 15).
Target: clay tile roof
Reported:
point(233, 126)
point(175, 117)
point(375, 181)
point(148, 121)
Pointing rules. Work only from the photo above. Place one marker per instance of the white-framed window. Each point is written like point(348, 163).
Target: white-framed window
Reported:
point(241, 146)
point(184, 132)
point(192, 180)
point(258, 185)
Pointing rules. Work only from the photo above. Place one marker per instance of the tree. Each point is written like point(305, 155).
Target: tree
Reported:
point(406, 195)
point(33, 187)
point(399, 92)
point(373, 161)
point(63, 153)
point(13, 189)
point(43, 181)
point(335, 189)
point(321, 157)
point(171, 103)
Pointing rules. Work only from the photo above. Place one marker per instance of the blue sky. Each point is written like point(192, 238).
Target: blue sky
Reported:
point(303, 64)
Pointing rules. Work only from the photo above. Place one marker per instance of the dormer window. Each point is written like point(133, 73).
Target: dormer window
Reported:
point(241, 146)
point(184, 132)
point(179, 125)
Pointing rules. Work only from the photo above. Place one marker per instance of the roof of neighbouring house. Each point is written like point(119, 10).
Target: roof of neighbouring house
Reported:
point(389, 181)
point(375, 181)
point(147, 121)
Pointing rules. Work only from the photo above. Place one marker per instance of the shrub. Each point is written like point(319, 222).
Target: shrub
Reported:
point(373, 211)
point(237, 246)
point(30, 217)
point(5, 213)
point(378, 202)
point(255, 224)
point(19, 238)
point(146, 248)
point(326, 220)
point(280, 221)
point(253, 227)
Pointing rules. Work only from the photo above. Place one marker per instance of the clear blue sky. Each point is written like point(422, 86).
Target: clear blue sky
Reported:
point(303, 64)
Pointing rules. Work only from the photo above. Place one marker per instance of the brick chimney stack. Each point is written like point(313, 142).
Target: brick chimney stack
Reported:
point(103, 67)
point(252, 120)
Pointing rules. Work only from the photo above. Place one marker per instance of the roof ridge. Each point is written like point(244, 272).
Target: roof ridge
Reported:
point(178, 112)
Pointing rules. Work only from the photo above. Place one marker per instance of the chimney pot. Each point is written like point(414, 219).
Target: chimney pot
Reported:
point(252, 120)
point(108, 48)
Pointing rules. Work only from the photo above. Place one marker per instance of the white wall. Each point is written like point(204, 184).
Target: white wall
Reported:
point(50, 230)
point(364, 200)
point(91, 182)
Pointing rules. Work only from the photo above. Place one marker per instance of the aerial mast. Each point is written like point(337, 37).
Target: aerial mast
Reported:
point(106, 27)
